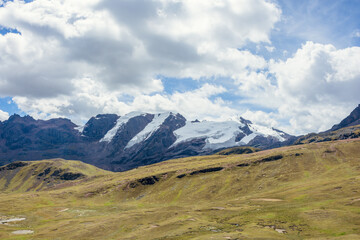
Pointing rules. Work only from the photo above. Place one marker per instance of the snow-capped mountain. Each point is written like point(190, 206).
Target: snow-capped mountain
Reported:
point(120, 143)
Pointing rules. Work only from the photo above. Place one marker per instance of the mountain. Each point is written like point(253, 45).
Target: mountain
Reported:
point(351, 120)
point(308, 191)
point(346, 129)
point(120, 143)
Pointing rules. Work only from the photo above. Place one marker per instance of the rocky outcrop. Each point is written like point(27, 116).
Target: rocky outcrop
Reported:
point(98, 126)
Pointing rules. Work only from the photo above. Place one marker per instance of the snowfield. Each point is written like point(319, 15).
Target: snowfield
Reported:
point(216, 134)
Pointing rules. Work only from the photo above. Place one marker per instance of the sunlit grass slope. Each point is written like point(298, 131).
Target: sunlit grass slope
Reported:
point(309, 191)
point(38, 175)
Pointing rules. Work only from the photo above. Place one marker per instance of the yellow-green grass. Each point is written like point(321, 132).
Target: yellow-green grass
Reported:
point(28, 177)
point(238, 150)
point(312, 192)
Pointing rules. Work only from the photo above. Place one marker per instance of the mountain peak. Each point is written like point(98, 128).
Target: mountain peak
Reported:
point(351, 120)
point(245, 121)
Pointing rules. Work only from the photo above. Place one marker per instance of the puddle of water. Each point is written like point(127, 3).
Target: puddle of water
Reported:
point(22, 232)
point(218, 208)
point(6, 221)
point(279, 230)
point(268, 199)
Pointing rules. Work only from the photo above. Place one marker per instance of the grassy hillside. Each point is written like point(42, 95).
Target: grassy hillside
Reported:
point(238, 150)
point(309, 191)
point(46, 174)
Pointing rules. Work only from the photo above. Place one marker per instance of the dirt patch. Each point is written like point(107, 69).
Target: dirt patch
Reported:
point(354, 201)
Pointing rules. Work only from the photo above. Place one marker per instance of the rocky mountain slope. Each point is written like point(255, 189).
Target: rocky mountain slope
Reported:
point(308, 191)
point(351, 120)
point(347, 128)
point(120, 143)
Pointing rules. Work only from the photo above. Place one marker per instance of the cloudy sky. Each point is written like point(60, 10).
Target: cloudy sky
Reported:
point(290, 64)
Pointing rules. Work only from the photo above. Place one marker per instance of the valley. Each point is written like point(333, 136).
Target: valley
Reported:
point(308, 191)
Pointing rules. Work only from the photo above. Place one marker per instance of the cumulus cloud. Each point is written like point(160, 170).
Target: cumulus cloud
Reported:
point(313, 89)
point(76, 58)
point(126, 43)
point(3, 115)
point(80, 58)
point(94, 99)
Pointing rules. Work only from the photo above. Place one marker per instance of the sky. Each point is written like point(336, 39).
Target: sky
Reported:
point(288, 64)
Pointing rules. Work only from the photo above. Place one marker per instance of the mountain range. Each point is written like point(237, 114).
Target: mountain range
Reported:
point(120, 143)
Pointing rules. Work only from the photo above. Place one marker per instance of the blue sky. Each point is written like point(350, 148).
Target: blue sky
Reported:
point(286, 64)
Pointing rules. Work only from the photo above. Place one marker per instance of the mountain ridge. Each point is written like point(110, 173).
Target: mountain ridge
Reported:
point(120, 143)
point(351, 120)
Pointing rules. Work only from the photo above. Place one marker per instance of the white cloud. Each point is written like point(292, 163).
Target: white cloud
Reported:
point(314, 89)
point(319, 73)
point(270, 48)
point(356, 33)
point(77, 58)
point(62, 41)
point(92, 99)
point(3, 115)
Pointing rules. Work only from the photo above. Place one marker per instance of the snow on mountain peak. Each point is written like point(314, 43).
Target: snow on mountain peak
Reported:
point(266, 131)
point(235, 132)
point(120, 122)
point(217, 134)
point(223, 134)
point(80, 128)
point(154, 125)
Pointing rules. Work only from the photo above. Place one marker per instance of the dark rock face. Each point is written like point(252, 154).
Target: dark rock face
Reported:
point(154, 149)
point(246, 128)
point(98, 126)
point(24, 138)
point(351, 120)
point(263, 142)
point(127, 132)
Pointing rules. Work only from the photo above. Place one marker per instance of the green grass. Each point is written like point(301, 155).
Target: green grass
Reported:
point(312, 193)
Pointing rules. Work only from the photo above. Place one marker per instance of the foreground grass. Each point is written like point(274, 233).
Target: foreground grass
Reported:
point(312, 192)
